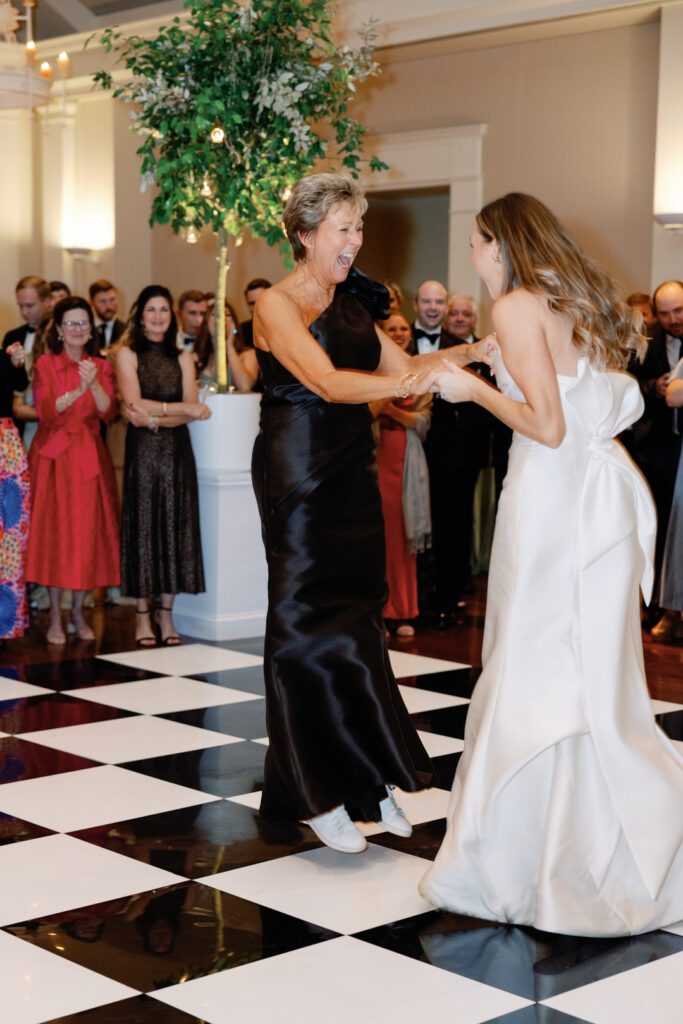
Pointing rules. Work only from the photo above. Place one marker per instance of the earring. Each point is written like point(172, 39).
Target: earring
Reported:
point(496, 258)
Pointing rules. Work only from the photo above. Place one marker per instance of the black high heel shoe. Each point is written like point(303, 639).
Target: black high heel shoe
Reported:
point(172, 640)
point(146, 641)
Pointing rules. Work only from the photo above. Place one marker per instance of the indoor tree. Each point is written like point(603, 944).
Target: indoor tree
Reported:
point(234, 102)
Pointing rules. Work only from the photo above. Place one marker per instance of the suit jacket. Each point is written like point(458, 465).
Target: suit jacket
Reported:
point(462, 430)
point(658, 419)
point(117, 330)
point(16, 334)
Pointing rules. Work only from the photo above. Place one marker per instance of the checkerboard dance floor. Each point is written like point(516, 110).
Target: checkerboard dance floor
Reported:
point(138, 884)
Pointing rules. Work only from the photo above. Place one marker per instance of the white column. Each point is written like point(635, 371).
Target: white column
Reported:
point(667, 247)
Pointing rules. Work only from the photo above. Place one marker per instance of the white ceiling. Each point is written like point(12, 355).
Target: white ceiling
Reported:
point(398, 22)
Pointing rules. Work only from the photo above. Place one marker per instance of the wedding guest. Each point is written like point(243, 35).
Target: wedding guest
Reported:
point(14, 499)
point(395, 296)
point(251, 293)
point(242, 363)
point(340, 735)
point(670, 625)
point(192, 306)
point(404, 487)
point(161, 552)
point(104, 299)
point(59, 290)
point(643, 303)
point(74, 536)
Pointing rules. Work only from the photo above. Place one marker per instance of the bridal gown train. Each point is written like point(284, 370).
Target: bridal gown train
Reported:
point(567, 807)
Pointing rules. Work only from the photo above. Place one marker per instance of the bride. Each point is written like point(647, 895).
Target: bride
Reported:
point(567, 807)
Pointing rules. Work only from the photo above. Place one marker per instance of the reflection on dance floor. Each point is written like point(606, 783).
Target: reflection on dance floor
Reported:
point(138, 883)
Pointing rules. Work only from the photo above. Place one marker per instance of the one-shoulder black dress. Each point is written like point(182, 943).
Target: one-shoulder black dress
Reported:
point(338, 728)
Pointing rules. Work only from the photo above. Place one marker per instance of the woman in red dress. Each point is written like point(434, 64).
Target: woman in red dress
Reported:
point(399, 490)
point(74, 537)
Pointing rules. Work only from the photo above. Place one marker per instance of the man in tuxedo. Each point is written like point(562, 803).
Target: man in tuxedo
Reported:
point(34, 302)
point(456, 447)
point(251, 294)
point(660, 447)
point(192, 306)
point(104, 300)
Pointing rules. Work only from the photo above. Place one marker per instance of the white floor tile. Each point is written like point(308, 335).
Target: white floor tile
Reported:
point(675, 929)
point(93, 796)
point(663, 707)
point(248, 799)
point(336, 982)
point(428, 700)
point(437, 746)
point(405, 664)
point(185, 660)
point(429, 805)
point(263, 740)
point(128, 739)
point(163, 695)
point(37, 985)
point(653, 992)
point(344, 892)
point(12, 689)
point(45, 876)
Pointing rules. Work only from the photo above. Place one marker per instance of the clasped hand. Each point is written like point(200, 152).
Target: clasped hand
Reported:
point(88, 374)
point(139, 416)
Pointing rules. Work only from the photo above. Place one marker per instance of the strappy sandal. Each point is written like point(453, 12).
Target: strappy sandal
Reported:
point(172, 640)
point(145, 641)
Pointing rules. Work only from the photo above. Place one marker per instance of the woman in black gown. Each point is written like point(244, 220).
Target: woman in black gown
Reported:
point(340, 735)
point(161, 551)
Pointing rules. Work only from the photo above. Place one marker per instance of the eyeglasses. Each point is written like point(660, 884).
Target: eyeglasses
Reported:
point(76, 325)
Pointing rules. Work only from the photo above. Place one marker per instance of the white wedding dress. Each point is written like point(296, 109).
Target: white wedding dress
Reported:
point(567, 806)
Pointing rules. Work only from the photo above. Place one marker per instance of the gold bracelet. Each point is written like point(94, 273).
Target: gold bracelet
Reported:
point(402, 389)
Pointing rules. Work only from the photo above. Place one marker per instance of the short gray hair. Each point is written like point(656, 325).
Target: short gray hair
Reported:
point(312, 199)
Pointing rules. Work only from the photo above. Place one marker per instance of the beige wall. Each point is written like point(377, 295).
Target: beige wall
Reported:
point(570, 119)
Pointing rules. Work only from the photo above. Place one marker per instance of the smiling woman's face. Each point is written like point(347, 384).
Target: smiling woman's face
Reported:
point(333, 246)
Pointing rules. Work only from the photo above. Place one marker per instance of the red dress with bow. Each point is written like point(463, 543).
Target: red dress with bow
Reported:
point(74, 538)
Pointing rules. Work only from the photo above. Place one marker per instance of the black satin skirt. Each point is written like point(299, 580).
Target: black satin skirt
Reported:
point(338, 728)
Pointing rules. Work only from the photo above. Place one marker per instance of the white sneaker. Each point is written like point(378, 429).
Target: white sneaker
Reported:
point(393, 818)
point(337, 831)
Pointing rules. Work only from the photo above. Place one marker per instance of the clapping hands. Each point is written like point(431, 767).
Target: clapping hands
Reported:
point(88, 374)
point(16, 353)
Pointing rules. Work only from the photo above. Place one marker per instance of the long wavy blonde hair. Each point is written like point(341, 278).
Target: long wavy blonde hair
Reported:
point(539, 254)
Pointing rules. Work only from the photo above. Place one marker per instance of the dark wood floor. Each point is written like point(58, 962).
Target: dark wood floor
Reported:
point(114, 628)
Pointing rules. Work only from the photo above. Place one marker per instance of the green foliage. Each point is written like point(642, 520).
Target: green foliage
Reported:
point(268, 75)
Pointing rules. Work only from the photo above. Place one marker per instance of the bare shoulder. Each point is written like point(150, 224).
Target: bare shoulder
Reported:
point(126, 358)
point(275, 301)
point(517, 304)
point(187, 360)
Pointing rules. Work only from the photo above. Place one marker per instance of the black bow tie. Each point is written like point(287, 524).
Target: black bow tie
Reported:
point(433, 338)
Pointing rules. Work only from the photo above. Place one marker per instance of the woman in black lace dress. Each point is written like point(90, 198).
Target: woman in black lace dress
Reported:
point(340, 735)
point(161, 552)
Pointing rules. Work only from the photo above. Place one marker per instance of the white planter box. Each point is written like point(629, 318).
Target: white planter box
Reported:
point(235, 601)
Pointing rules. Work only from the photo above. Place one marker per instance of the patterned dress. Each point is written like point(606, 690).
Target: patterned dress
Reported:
point(14, 507)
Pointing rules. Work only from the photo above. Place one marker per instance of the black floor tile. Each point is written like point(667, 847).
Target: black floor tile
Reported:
point(139, 1010)
point(248, 645)
point(52, 711)
point(530, 964)
point(444, 721)
point(21, 759)
point(456, 682)
point(246, 720)
point(444, 770)
point(170, 935)
point(248, 679)
point(672, 724)
point(230, 770)
point(203, 840)
point(536, 1015)
point(76, 673)
point(16, 830)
